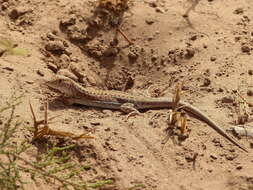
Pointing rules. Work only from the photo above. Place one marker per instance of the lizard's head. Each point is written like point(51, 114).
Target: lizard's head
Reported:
point(61, 84)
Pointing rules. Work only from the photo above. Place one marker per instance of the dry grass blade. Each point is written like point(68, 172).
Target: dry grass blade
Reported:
point(181, 116)
point(124, 35)
point(176, 97)
point(177, 119)
point(241, 111)
point(183, 126)
point(47, 131)
point(192, 7)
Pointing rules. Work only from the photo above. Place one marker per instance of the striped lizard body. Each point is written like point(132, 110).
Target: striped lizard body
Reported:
point(126, 102)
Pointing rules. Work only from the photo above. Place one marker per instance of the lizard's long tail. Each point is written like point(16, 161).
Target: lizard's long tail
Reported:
point(197, 113)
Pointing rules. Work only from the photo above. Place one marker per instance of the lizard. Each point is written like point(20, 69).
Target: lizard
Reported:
point(75, 93)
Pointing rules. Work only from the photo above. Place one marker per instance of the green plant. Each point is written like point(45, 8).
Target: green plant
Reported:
point(8, 47)
point(137, 186)
point(55, 166)
point(10, 177)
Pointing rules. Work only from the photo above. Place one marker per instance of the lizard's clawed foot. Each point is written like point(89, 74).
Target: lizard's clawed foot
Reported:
point(67, 101)
point(133, 114)
point(130, 109)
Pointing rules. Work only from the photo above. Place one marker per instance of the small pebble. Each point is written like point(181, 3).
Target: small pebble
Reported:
point(153, 4)
point(238, 11)
point(42, 108)
point(237, 38)
point(227, 99)
point(230, 157)
point(159, 10)
point(55, 46)
point(8, 68)
point(111, 52)
point(245, 49)
point(17, 12)
point(29, 82)
point(213, 156)
point(68, 22)
point(95, 123)
point(189, 53)
point(207, 82)
point(39, 72)
point(154, 58)
point(250, 72)
point(68, 120)
point(213, 58)
point(52, 67)
point(149, 21)
point(193, 38)
point(220, 90)
point(150, 38)
point(250, 92)
point(5, 5)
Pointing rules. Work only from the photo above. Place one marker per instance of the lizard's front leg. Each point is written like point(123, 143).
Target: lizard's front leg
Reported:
point(68, 101)
point(130, 109)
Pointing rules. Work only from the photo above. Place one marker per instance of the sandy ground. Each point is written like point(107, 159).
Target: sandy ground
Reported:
point(212, 53)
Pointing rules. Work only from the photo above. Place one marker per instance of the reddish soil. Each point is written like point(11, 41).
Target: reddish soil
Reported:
point(212, 54)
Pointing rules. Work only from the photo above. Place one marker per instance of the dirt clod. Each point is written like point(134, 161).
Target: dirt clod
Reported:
point(17, 12)
point(41, 73)
point(8, 68)
point(238, 11)
point(52, 67)
point(213, 58)
point(245, 49)
point(150, 21)
point(213, 156)
point(227, 99)
point(55, 47)
point(68, 74)
point(250, 92)
point(206, 82)
point(190, 52)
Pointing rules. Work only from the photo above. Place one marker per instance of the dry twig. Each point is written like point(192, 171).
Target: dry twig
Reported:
point(124, 35)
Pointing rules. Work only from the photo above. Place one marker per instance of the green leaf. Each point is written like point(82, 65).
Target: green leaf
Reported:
point(18, 51)
point(100, 183)
point(7, 44)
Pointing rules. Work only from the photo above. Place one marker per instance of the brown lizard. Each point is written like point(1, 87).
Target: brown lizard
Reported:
point(111, 99)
